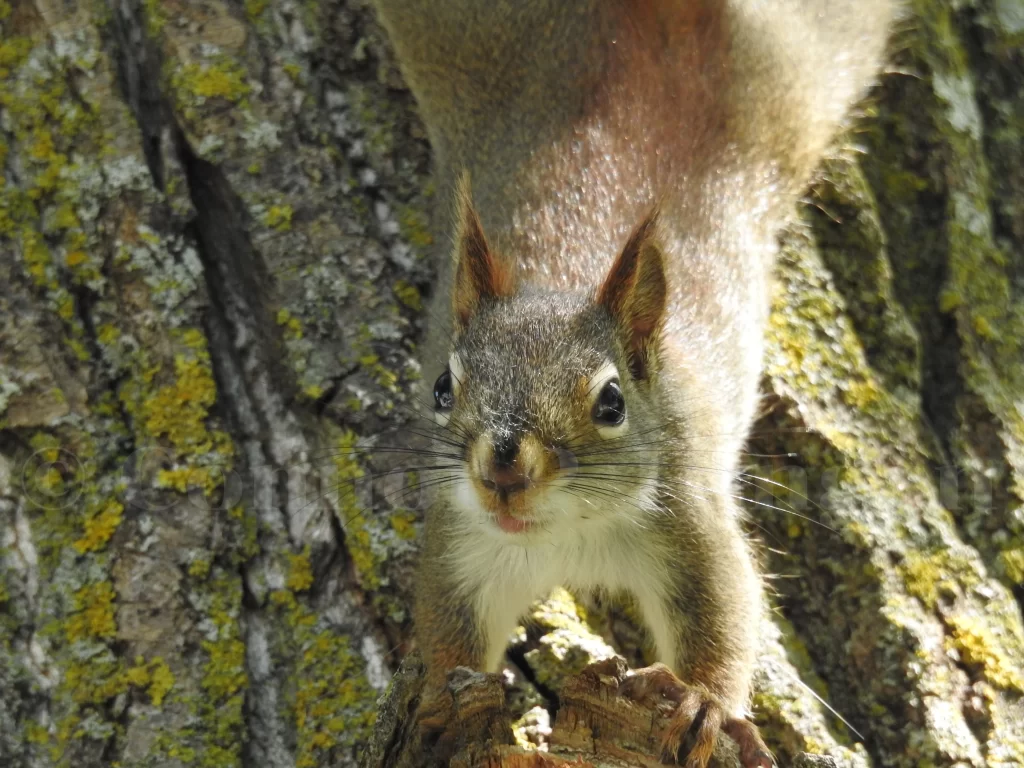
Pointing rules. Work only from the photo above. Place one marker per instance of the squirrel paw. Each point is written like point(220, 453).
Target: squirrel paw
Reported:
point(698, 717)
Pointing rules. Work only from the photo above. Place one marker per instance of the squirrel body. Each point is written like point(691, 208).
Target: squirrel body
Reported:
point(597, 337)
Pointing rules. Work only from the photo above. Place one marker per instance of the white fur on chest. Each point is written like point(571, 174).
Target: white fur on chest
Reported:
point(508, 572)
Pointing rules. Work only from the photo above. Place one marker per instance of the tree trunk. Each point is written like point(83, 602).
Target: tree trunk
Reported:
point(213, 243)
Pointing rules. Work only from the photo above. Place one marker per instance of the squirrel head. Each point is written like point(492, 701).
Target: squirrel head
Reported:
point(552, 395)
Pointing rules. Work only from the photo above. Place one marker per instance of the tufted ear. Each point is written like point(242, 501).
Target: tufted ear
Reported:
point(479, 273)
point(635, 293)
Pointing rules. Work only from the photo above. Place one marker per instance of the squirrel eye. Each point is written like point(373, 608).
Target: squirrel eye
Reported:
point(444, 396)
point(610, 408)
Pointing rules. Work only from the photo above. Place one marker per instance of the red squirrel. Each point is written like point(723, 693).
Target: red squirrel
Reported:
point(619, 170)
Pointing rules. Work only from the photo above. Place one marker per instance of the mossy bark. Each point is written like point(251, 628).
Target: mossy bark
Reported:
point(213, 243)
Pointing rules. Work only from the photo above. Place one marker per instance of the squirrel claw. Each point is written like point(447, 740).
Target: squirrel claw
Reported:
point(753, 752)
point(693, 730)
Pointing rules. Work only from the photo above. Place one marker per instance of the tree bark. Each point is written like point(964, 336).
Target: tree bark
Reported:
point(213, 244)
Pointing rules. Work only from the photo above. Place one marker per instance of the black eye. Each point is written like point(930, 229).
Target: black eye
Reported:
point(444, 397)
point(610, 408)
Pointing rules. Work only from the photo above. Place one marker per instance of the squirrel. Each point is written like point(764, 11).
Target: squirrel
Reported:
point(595, 350)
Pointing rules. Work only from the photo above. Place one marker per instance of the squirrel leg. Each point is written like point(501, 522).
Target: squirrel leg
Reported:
point(459, 621)
point(447, 636)
point(704, 620)
point(447, 630)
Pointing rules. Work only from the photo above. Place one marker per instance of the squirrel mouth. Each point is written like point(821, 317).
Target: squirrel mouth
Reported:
point(509, 511)
point(505, 493)
point(511, 524)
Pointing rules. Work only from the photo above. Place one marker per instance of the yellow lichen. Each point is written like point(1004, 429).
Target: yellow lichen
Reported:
point(161, 681)
point(279, 217)
point(183, 479)
point(100, 527)
point(107, 333)
point(300, 572)
point(254, 8)
point(930, 576)
point(409, 295)
point(214, 80)
point(224, 674)
point(980, 644)
point(414, 227)
point(224, 678)
point(199, 568)
point(313, 392)
point(290, 323)
point(1012, 562)
point(403, 521)
point(334, 705)
point(357, 537)
point(178, 411)
point(94, 613)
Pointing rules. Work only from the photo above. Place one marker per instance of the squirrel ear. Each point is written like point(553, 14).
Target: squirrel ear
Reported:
point(479, 273)
point(635, 291)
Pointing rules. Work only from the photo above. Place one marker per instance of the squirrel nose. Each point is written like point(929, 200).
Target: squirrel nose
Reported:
point(506, 482)
point(504, 477)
